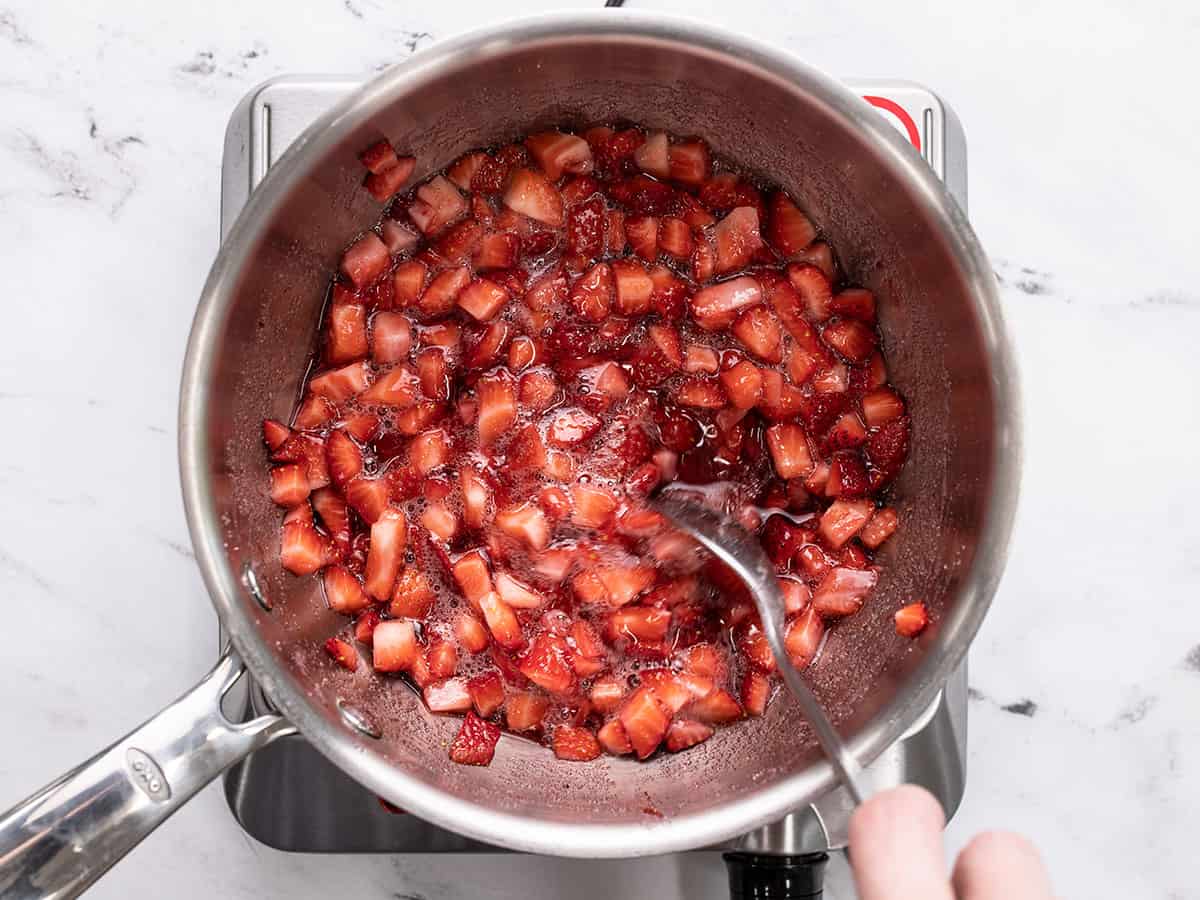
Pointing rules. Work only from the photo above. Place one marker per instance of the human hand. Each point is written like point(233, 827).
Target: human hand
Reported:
point(896, 854)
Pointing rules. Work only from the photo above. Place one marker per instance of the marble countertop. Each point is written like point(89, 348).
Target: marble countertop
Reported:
point(1083, 139)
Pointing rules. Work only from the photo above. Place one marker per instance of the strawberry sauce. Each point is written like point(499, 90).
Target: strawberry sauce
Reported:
point(524, 348)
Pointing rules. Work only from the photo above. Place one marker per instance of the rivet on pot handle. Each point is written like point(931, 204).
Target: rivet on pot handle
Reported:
point(58, 841)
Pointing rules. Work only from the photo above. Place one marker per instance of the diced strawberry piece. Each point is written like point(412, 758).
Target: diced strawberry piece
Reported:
point(346, 339)
point(522, 353)
point(613, 739)
point(334, 517)
point(854, 303)
point(644, 196)
point(704, 660)
point(477, 495)
point(339, 385)
point(594, 506)
point(364, 626)
point(718, 707)
point(463, 170)
point(388, 536)
point(743, 384)
point(880, 527)
point(645, 722)
point(727, 191)
point(487, 693)
point(524, 710)
point(814, 561)
point(572, 426)
point(717, 306)
point(607, 693)
point(302, 551)
point(546, 664)
point(526, 450)
point(450, 695)
point(854, 557)
point(343, 457)
point(881, 406)
point(368, 497)
point(343, 653)
point(419, 417)
point(624, 585)
point(516, 594)
point(754, 646)
point(314, 412)
point(438, 203)
point(813, 287)
point(575, 743)
point(343, 591)
point(539, 390)
point(758, 330)
point(789, 231)
point(525, 522)
point(439, 520)
point(641, 623)
point(653, 157)
point(397, 238)
point(497, 407)
point(419, 672)
point(642, 234)
point(689, 163)
point(852, 339)
point(847, 432)
point(555, 502)
point(386, 184)
point(408, 282)
point(580, 188)
point(847, 476)
point(585, 228)
point(700, 359)
point(473, 577)
point(275, 434)
point(490, 345)
point(789, 450)
point(394, 646)
point(441, 658)
point(557, 153)
point(365, 260)
point(459, 243)
point(755, 691)
point(675, 238)
point(700, 393)
point(397, 387)
point(684, 733)
point(475, 743)
point(532, 195)
point(361, 426)
point(802, 637)
point(441, 296)
point(431, 372)
point(843, 590)
point(843, 520)
point(886, 450)
point(501, 621)
point(470, 633)
point(737, 239)
point(379, 157)
point(634, 287)
point(483, 298)
point(497, 250)
point(911, 620)
point(289, 485)
point(592, 294)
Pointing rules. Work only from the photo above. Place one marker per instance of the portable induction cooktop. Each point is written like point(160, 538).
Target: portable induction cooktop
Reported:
point(289, 797)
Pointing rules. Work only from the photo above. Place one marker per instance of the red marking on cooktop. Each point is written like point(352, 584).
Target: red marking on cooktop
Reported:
point(900, 113)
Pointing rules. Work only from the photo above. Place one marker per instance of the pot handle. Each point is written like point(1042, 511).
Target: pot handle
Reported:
point(56, 843)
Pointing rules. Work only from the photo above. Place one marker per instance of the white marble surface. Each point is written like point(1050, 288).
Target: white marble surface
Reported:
point(1083, 139)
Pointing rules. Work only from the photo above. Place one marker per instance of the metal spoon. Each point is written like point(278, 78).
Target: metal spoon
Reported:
point(731, 544)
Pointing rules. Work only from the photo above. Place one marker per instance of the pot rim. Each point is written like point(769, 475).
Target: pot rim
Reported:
point(477, 820)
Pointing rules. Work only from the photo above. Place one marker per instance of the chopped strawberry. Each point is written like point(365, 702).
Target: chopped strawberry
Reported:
point(911, 620)
point(394, 646)
point(346, 339)
point(852, 339)
point(473, 576)
point(497, 250)
point(585, 228)
point(789, 450)
point(880, 527)
point(634, 287)
point(314, 412)
point(483, 299)
point(881, 406)
point(846, 433)
point(532, 195)
point(546, 664)
point(497, 407)
point(843, 520)
point(388, 536)
point(364, 626)
point(397, 387)
point(571, 426)
point(501, 621)
point(700, 393)
point(592, 294)
point(755, 692)
point(365, 260)
point(487, 693)
point(575, 743)
point(640, 623)
point(759, 332)
point(343, 457)
point(302, 550)
point(441, 658)
point(470, 633)
point(477, 495)
point(675, 238)
point(607, 693)
point(684, 733)
point(398, 238)
point(642, 234)
point(737, 239)
point(525, 522)
point(756, 649)
point(613, 739)
point(490, 345)
point(854, 303)
point(438, 203)
point(789, 231)
point(524, 710)
point(717, 707)
point(450, 695)
point(289, 485)
point(847, 476)
point(522, 353)
point(379, 157)
point(689, 162)
point(814, 289)
point(717, 306)
point(743, 384)
point(368, 497)
point(463, 170)
point(439, 520)
point(386, 184)
point(886, 450)
point(526, 451)
point(557, 153)
point(516, 594)
point(700, 359)
point(624, 585)
point(539, 390)
point(339, 385)
point(408, 282)
point(645, 722)
point(803, 637)
point(843, 590)
point(644, 196)
point(459, 243)
point(361, 426)
point(275, 434)
point(440, 297)
point(334, 517)
point(653, 156)
point(594, 506)
point(343, 591)
point(343, 653)
point(726, 191)
point(475, 743)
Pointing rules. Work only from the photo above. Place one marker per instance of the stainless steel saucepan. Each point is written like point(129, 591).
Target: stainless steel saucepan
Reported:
point(899, 233)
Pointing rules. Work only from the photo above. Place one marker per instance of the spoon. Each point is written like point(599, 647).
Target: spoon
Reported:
point(731, 544)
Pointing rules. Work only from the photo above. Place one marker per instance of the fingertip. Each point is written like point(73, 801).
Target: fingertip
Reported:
point(907, 806)
point(995, 862)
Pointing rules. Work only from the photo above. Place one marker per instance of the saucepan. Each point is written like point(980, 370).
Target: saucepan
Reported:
point(899, 233)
